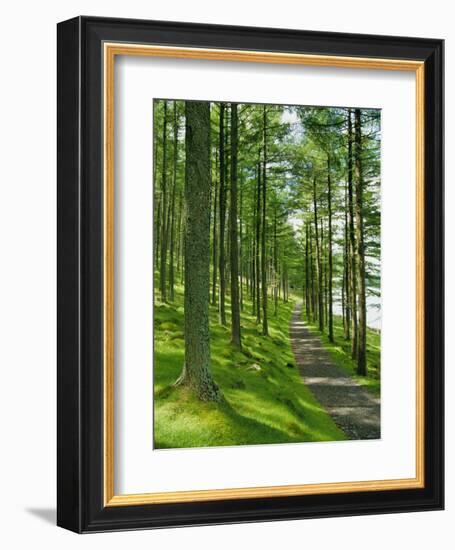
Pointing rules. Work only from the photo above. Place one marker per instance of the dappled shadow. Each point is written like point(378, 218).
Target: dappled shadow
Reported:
point(265, 402)
point(244, 426)
point(248, 423)
point(353, 409)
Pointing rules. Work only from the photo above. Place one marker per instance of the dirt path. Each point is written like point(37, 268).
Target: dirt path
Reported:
point(351, 406)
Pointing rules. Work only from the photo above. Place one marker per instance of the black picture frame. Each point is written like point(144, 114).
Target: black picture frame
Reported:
point(80, 276)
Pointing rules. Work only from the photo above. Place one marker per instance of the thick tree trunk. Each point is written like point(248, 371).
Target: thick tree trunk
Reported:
point(196, 371)
point(361, 353)
point(352, 247)
point(234, 251)
point(222, 260)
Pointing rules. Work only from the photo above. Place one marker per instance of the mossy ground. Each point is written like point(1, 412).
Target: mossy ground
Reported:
point(340, 351)
point(264, 398)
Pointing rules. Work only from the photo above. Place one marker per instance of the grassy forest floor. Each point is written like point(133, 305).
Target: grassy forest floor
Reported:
point(265, 400)
point(340, 352)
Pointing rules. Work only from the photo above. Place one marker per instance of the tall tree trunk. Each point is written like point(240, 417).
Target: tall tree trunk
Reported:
point(215, 238)
point(196, 372)
point(222, 260)
point(275, 264)
point(285, 283)
point(182, 241)
point(241, 262)
point(182, 244)
point(249, 264)
point(329, 244)
point(352, 247)
point(324, 271)
point(313, 282)
point(227, 242)
point(258, 236)
point(158, 230)
point(174, 185)
point(318, 260)
point(361, 353)
point(234, 251)
point(307, 273)
point(253, 252)
point(156, 195)
point(164, 212)
point(265, 326)
point(346, 272)
point(179, 230)
point(343, 301)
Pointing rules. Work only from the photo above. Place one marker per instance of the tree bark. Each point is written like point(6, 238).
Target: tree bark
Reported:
point(253, 253)
point(313, 289)
point(215, 237)
point(156, 195)
point(157, 231)
point(222, 260)
point(196, 371)
point(346, 271)
point(164, 209)
point(241, 244)
point(329, 244)
point(307, 273)
point(361, 353)
point(323, 269)
point(234, 251)
point(179, 231)
point(265, 326)
point(318, 260)
point(275, 264)
point(258, 236)
point(174, 185)
point(352, 247)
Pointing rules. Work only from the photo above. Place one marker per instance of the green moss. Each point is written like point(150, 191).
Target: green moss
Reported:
point(264, 398)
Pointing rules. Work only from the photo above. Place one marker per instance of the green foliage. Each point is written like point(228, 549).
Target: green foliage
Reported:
point(265, 400)
point(302, 239)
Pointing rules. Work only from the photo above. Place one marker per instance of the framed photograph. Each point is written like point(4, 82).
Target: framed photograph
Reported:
point(250, 274)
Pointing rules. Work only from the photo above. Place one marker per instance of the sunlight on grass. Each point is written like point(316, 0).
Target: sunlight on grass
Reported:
point(265, 400)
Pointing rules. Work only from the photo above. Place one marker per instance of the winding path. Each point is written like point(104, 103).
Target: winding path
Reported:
point(351, 406)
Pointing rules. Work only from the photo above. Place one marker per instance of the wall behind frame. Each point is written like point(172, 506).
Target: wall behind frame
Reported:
point(27, 277)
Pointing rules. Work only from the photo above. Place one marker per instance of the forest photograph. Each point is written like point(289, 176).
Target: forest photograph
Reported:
point(267, 273)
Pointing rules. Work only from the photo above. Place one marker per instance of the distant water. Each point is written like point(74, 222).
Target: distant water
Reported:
point(373, 312)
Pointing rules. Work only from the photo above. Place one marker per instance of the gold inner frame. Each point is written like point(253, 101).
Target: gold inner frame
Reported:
point(111, 50)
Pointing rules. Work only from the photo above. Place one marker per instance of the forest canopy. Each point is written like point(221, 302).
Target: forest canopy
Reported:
point(260, 207)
